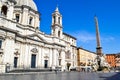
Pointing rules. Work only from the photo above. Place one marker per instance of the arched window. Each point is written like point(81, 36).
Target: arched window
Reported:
point(54, 20)
point(59, 20)
point(4, 10)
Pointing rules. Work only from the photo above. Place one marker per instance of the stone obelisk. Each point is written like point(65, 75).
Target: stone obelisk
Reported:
point(98, 48)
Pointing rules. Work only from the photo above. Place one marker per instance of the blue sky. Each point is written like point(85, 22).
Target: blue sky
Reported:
point(78, 21)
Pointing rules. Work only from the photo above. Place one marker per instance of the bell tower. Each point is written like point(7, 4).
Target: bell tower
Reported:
point(57, 24)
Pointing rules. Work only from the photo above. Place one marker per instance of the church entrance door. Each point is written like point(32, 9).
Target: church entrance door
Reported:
point(15, 62)
point(33, 61)
point(46, 64)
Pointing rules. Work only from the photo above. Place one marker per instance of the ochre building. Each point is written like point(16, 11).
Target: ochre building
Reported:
point(85, 57)
point(111, 59)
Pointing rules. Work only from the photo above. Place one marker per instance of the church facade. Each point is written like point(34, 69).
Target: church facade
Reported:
point(24, 46)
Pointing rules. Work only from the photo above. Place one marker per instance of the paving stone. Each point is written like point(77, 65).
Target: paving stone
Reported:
point(62, 76)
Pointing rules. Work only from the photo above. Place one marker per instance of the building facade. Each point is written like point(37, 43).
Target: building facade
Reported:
point(117, 60)
point(24, 46)
point(85, 57)
point(111, 59)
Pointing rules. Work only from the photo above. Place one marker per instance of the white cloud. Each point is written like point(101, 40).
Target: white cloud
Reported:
point(107, 39)
point(86, 37)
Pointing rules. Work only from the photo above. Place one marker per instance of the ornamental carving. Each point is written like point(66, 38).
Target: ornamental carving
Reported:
point(17, 53)
point(67, 55)
point(34, 50)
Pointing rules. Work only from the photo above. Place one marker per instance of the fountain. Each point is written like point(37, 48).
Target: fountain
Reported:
point(100, 60)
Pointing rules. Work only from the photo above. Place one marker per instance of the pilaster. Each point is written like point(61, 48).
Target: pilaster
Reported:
point(39, 57)
point(25, 16)
point(42, 57)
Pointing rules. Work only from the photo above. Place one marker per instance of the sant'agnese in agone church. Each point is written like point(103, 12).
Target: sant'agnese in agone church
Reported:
point(24, 47)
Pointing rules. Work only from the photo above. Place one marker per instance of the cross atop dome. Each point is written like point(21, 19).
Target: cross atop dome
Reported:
point(57, 10)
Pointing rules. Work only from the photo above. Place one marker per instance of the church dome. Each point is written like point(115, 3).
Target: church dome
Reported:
point(29, 3)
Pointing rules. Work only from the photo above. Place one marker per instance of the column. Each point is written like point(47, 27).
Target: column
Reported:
point(10, 12)
point(54, 59)
point(50, 57)
point(25, 49)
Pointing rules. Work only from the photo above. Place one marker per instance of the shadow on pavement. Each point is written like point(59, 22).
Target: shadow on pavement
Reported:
point(113, 77)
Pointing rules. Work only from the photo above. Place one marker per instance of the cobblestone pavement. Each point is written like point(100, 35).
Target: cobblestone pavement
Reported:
point(62, 76)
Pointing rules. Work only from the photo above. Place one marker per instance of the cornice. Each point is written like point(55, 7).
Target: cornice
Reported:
point(70, 36)
point(85, 50)
point(8, 29)
point(29, 8)
point(53, 25)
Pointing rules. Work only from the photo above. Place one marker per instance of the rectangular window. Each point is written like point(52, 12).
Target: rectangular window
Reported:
point(30, 21)
point(0, 43)
point(60, 62)
point(17, 17)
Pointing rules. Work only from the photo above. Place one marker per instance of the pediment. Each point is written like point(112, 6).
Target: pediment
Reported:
point(36, 37)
